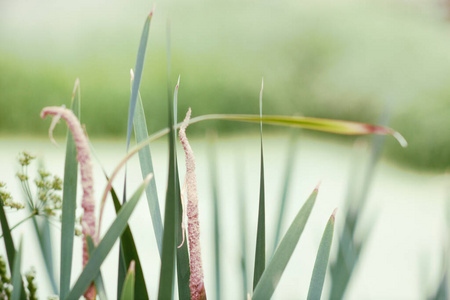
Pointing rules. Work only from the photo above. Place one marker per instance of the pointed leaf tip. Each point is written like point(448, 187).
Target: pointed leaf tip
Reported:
point(318, 185)
point(148, 178)
point(152, 11)
point(75, 87)
point(333, 215)
point(132, 266)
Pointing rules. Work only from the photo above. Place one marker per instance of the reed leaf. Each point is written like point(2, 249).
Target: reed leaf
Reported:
point(16, 278)
point(260, 251)
point(128, 290)
point(69, 200)
point(99, 285)
point(321, 264)
point(272, 274)
point(99, 254)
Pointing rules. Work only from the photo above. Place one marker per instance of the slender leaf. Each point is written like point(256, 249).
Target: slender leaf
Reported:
point(318, 124)
point(183, 266)
point(16, 277)
point(290, 162)
point(272, 274)
point(129, 253)
point(342, 127)
point(139, 67)
point(214, 186)
point(260, 251)
point(7, 237)
point(145, 160)
point(92, 267)
point(69, 201)
point(321, 264)
point(128, 290)
point(100, 287)
point(169, 238)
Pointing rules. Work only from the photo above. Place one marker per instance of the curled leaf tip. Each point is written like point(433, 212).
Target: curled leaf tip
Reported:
point(178, 82)
point(400, 139)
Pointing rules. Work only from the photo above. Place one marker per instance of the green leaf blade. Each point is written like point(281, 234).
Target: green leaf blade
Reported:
point(139, 67)
point(128, 286)
point(16, 277)
point(321, 264)
point(260, 251)
point(92, 267)
point(146, 163)
point(271, 276)
point(69, 201)
point(100, 287)
point(129, 254)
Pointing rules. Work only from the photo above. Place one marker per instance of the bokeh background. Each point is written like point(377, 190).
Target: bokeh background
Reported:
point(347, 59)
point(342, 59)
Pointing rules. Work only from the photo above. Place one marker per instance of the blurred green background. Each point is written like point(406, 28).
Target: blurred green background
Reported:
point(334, 59)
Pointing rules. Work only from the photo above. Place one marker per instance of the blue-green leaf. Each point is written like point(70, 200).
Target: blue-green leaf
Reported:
point(69, 201)
point(321, 264)
point(16, 278)
point(92, 267)
point(272, 274)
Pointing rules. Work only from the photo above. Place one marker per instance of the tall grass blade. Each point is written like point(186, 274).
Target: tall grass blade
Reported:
point(321, 264)
point(116, 229)
point(139, 67)
point(271, 276)
point(169, 238)
point(290, 163)
point(145, 160)
point(260, 252)
point(128, 290)
point(183, 266)
point(9, 245)
point(213, 177)
point(442, 292)
point(100, 287)
point(16, 277)
point(7, 237)
point(69, 200)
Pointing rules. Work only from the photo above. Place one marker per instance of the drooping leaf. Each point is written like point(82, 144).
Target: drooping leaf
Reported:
point(321, 264)
point(272, 274)
point(69, 200)
point(116, 229)
point(260, 251)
